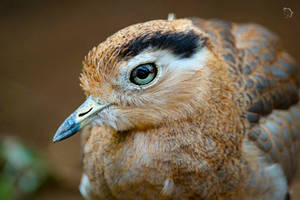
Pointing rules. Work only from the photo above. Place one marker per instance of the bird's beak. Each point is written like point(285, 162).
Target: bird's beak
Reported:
point(78, 119)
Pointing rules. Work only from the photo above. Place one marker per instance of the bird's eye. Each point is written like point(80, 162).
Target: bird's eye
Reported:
point(143, 74)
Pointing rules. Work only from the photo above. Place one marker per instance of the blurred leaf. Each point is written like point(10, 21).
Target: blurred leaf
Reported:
point(6, 188)
point(22, 170)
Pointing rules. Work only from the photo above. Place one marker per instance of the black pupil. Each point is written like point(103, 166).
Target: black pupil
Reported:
point(142, 72)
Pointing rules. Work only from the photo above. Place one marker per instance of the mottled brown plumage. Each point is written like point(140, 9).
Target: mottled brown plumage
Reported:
point(224, 127)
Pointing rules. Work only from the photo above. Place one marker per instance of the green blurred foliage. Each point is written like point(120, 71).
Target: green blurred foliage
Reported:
point(22, 170)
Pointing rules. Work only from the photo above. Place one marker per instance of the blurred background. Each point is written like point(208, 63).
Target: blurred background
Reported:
point(42, 44)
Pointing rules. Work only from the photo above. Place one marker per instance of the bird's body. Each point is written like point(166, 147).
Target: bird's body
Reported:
point(219, 118)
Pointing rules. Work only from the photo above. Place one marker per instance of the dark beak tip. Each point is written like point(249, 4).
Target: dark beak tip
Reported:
point(55, 138)
point(76, 120)
point(63, 133)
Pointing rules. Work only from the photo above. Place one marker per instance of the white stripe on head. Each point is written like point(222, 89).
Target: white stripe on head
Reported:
point(165, 60)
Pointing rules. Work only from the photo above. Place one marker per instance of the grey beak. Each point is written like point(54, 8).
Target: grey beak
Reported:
point(78, 119)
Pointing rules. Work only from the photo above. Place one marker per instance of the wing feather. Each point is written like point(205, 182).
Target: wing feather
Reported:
point(271, 85)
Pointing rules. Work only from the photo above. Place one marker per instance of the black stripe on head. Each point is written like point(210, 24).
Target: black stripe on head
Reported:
point(183, 44)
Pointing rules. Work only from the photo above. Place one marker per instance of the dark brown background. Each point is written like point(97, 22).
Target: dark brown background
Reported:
point(42, 44)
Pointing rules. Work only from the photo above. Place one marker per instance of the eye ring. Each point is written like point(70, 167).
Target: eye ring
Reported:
point(143, 74)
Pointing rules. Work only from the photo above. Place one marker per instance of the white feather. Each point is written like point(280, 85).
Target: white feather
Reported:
point(164, 59)
point(85, 187)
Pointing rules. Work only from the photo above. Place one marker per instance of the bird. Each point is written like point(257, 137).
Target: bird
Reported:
point(188, 108)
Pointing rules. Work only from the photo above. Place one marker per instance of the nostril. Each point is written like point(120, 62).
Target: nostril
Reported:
point(84, 113)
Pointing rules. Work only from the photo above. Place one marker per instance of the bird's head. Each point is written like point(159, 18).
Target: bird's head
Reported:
point(146, 75)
